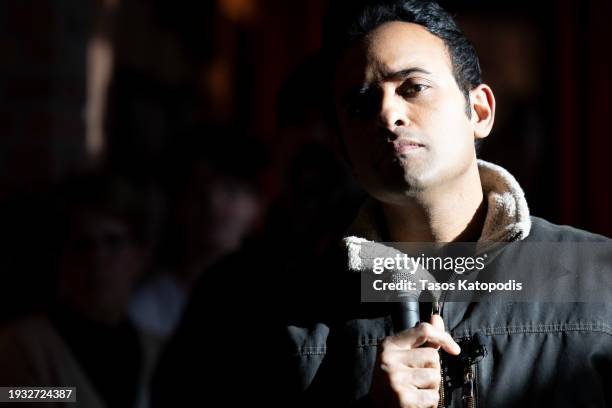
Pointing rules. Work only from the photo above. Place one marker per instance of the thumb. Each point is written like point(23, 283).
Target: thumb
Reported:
point(437, 322)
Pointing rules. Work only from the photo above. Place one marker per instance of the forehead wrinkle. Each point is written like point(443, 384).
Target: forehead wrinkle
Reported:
point(401, 38)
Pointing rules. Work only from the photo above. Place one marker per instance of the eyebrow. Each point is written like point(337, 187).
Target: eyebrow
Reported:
point(402, 74)
point(386, 76)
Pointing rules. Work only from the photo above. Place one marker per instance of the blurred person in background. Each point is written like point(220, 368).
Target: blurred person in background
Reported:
point(85, 339)
point(214, 204)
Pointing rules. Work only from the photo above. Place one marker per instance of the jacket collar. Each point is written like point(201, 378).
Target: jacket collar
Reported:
point(507, 216)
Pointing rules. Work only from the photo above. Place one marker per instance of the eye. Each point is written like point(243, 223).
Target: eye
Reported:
point(409, 90)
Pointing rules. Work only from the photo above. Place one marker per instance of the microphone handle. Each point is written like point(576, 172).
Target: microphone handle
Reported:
point(406, 315)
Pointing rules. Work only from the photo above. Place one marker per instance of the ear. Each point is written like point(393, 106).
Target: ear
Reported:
point(482, 104)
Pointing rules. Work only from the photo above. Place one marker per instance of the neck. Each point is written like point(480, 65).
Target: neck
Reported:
point(444, 214)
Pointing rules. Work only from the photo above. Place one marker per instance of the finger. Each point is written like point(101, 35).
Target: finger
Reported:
point(421, 378)
point(437, 322)
point(421, 334)
point(419, 398)
point(422, 357)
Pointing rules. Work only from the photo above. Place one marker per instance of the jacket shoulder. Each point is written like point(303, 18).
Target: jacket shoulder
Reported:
point(542, 230)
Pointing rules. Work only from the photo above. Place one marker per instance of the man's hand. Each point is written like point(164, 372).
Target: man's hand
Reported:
point(407, 371)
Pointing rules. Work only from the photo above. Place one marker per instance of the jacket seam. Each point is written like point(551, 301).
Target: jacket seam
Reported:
point(308, 351)
point(311, 351)
point(370, 342)
point(545, 328)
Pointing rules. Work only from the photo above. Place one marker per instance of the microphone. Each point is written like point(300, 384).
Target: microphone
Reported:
point(406, 312)
point(406, 315)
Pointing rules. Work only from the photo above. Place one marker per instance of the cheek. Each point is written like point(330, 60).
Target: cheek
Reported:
point(451, 129)
point(457, 152)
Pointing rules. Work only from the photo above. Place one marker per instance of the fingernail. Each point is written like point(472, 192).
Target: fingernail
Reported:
point(457, 348)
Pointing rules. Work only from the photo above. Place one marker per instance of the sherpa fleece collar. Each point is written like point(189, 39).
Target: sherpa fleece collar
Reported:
point(507, 216)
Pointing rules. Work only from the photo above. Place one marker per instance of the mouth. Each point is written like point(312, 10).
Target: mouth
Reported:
point(406, 146)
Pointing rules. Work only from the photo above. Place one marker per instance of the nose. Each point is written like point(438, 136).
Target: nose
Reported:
point(392, 112)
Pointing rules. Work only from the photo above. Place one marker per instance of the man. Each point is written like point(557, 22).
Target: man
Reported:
point(411, 106)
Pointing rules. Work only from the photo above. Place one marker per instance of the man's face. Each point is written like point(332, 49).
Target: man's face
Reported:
point(402, 115)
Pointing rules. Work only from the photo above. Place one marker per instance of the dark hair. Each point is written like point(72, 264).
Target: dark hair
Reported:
point(349, 21)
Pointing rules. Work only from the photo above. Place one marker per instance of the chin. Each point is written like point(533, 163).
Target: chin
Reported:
point(395, 181)
point(409, 182)
point(394, 192)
